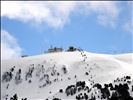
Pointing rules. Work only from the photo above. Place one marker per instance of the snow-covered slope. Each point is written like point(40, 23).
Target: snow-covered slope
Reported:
point(41, 77)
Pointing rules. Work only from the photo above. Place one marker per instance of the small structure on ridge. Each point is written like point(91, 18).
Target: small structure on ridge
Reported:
point(71, 48)
point(55, 49)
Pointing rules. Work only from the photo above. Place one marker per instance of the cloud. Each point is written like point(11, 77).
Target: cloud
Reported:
point(128, 26)
point(57, 13)
point(106, 11)
point(9, 46)
point(54, 14)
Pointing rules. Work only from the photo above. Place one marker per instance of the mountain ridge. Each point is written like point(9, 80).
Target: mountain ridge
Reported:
point(48, 73)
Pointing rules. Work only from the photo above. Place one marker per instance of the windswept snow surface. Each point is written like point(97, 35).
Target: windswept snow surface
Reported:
point(48, 75)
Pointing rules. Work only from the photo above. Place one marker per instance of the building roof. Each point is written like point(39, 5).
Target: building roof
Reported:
point(55, 49)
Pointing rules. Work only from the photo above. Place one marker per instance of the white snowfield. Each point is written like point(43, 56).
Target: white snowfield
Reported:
point(101, 68)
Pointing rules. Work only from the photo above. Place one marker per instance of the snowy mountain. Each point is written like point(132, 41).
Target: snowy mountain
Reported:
point(68, 75)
